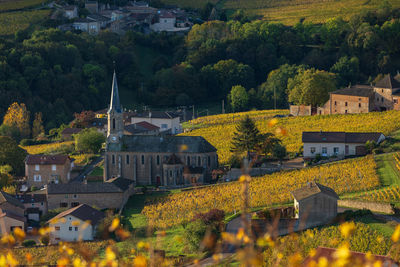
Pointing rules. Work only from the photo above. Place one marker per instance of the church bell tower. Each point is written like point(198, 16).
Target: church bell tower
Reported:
point(115, 127)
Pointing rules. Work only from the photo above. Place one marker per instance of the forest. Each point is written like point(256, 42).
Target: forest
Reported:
point(61, 73)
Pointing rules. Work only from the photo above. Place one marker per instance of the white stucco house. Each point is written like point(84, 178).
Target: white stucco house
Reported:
point(167, 121)
point(76, 224)
point(340, 144)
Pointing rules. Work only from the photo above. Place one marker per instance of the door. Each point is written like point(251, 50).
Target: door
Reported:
point(158, 180)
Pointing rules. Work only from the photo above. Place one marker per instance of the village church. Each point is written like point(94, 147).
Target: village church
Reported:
point(162, 160)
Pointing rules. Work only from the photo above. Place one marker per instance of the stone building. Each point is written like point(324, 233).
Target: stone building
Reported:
point(45, 169)
point(112, 194)
point(315, 204)
point(152, 160)
point(12, 213)
point(35, 205)
point(355, 99)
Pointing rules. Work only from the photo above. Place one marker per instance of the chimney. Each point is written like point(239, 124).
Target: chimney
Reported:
point(149, 114)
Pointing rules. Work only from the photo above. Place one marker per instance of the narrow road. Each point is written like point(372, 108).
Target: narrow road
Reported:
point(88, 169)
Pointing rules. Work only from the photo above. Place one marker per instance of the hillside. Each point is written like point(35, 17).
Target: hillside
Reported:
point(6, 5)
point(290, 11)
point(218, 130)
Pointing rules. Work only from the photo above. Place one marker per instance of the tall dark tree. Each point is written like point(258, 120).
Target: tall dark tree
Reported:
point(246, 137)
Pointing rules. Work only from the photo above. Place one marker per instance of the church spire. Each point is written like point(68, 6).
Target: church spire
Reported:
point(115, 104)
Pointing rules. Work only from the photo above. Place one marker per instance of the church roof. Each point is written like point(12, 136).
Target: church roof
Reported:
point(388, 82)
point(166, 144)
point(115, 104)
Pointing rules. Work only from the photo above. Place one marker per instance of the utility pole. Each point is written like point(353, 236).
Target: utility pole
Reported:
point(193, 113)
point(223, 107)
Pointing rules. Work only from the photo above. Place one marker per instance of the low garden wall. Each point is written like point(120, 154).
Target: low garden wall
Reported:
point(369, 205)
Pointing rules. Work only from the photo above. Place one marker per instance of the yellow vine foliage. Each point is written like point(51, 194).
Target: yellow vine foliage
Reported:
point(39, 149)
point(218, 130)
point(345, 176)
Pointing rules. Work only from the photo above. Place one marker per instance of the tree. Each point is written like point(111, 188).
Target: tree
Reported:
point(83, 119)
point(89, 141)
point(246, 137)
point(37, 126)
point(311, 87)
point(18, 116)
point(11, 154)
point(279, 152)
point(10, 131)
point(267, 143)
point(276, 86)
point(346, 70)
point(239, 98)
point(5, 176)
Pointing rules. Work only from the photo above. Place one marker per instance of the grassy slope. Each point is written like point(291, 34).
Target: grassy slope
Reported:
point(387, 170)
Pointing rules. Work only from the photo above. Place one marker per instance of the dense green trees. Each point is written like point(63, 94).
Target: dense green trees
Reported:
point(89, 141)
point(239, 98)
point(11, 154)
point(311, 87)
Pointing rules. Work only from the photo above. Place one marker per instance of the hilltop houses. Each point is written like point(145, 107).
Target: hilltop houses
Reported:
point(12, 213)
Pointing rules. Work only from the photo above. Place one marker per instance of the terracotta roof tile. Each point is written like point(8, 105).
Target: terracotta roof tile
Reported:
point(83, 212)
point(46, 159)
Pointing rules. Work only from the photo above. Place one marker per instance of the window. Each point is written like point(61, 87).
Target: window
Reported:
point(382, 99)
point(324, 150)
point(76, 228)
point(53, 167)
point(199, 161)
point(63, 205)
point(164, 126)
point(74, 204)
point(170, 173)
point(37, 168)
point(359, 105)
point(113, 159)
point(66, 196)
point(208, 161)
point(395, 101)
point(75, 196)
point(345, 104)
point(336, 150)
point(158, 159)
point(359, 99)
point(382, 90)
point(41, 203)
point(113, 123)
point(335, 103)
point(345, 111)
point(312, 150)
point(188, 161)
point(57, 228)
point(70, 228)
point(127, 159)
point(142, 159)
point(37, 178)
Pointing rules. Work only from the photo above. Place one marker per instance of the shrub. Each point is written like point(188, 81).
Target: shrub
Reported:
point(45, 240)
point(29, 243)
point(214, 216)
point(89, 140)
point(235, 161)
point(194, 234)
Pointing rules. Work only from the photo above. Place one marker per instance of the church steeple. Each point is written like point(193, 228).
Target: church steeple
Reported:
point(115, 103)
point(115, 127)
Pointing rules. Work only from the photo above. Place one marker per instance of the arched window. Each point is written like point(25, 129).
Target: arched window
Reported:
point(188, 161)
point(113, 123)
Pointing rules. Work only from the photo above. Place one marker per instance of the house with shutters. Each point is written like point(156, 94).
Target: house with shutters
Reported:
point(153, 160)
point(339, 144)
point(76, 224)
point(44, 169)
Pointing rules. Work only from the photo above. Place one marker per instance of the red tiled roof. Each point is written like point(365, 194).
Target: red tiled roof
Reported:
point(147, 125)
point(358, 258)
point(46, 159)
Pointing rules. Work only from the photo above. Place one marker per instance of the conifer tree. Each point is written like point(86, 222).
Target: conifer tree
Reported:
point(246, 137)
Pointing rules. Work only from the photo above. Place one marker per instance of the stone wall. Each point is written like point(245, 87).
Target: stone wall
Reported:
point(342, 104)
point(369, 205)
